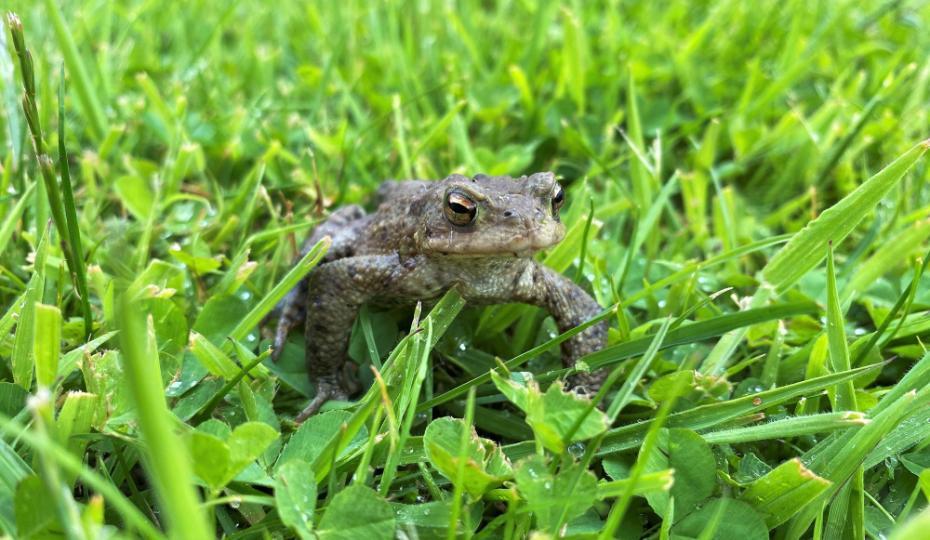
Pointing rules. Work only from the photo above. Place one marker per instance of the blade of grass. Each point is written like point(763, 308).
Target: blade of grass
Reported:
point(889, 255)
point(783, 490)
point(844, 395)
point(42, 407)
point(78, 271)
point(905, 298)
point(840, 147)
point(808, 247)
point(87, 96)
point(167, 460)
point(847, 511)
point(707, 416)
point(47, 344)
point(22, 358)
point(626, 391)
point(844, 464)
point(441, 316)
point(78, 274)
point(691, 333)
point(462, 459)
point(270, 300)
point(792, 426)
point(12, 218)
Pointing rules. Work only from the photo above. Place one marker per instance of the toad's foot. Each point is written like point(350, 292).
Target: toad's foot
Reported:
point(327, 389)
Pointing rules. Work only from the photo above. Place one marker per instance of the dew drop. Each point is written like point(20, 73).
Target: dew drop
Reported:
point(576, 449)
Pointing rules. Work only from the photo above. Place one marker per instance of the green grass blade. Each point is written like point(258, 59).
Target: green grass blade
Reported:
point(87, 95)
point(440, 317)
point(792, 426)
point(808, 247)
point(914, 528)
point(845, 395)
point(889, 255)
point(167, 461)
point(47, 344)
point(270, 300)
point(707, 416)
point(691, 333)
point(12, 218)
point(783, 491)
point(22, 357)
point(78, 270)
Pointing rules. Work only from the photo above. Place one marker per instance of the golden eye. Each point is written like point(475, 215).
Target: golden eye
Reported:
point(557, 199)
point(460, 209)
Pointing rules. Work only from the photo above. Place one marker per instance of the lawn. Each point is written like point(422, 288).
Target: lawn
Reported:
point(746, 197)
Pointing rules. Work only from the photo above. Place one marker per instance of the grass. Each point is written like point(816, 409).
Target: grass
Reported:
point(747, 198)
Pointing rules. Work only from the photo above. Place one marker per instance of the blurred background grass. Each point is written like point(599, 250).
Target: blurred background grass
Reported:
point(375, 91)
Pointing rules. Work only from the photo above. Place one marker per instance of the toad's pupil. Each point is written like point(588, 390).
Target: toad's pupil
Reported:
point(558, 199)
point(460, 210)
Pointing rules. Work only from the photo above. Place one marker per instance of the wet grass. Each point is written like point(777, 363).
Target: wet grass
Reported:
point(746, 197)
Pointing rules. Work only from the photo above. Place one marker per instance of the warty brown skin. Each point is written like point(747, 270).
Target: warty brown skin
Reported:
point(477, 234)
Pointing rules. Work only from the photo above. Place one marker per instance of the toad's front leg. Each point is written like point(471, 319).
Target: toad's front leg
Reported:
point(336, 290)
point(570, 306)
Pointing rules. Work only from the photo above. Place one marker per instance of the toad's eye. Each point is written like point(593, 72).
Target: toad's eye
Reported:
point(460, 209)
point(557, 199)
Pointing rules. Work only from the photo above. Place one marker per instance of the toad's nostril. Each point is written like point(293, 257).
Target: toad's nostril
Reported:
point(509, 213)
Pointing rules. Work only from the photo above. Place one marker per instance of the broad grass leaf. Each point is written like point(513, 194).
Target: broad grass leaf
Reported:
point(844, 395)
point(12, 471)
point(47, 343)
point(549, 496)
point(357, 512)
point(485, 464)
point(837, 458)
point(76, 418)
point(210, 457)
point(707, 416)
point(33, 512)
point(314, 434)
point(12, 398)
point(729, 519)
point(136, 195)
point(695, 470)
point(808, 247)
point(211, 357)
point(784, 491)
point(22, 359)
point(219, 317)
point(246, 443)
point(295, 496)
point(198, 264)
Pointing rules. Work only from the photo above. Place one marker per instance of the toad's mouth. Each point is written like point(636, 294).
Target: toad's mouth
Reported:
point(510, 245)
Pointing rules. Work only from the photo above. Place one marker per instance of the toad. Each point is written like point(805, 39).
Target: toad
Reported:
point(478, 234)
